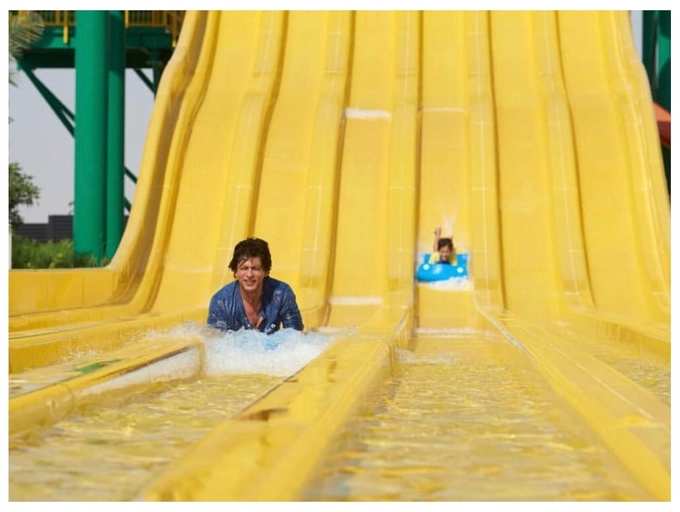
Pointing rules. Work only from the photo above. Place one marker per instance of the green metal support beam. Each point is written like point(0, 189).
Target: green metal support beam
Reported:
point(51, 51)
point(67, 118)
point(115, 133)
point(146, 80)
point(100, 48)
point(65, 115)
point(62, 111)
point(89, 223)
point(129, 174)
point(649, 31)
point(656, 56)
point(664, 60)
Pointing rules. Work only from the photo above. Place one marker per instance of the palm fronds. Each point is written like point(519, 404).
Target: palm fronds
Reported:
point(25, 28)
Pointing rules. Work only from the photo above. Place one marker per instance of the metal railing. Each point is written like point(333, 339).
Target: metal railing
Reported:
point(169, 20)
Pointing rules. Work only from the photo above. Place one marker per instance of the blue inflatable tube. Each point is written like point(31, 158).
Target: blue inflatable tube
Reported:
point(443, 271)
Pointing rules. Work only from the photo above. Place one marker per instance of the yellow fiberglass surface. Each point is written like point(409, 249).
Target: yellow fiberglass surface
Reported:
point(547, 204)
point(298, 181)
point(344, 139)
point(216, 113)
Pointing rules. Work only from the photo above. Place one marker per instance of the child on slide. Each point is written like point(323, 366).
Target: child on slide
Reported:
point(443, 263)
point(443, 250)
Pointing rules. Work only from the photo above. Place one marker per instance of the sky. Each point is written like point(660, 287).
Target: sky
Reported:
point(45, 150)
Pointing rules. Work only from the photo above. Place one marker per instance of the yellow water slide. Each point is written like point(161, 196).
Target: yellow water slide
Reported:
point(344, 139)
point(211, 171)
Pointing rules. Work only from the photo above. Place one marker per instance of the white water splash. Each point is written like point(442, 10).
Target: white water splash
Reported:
point(251, 352)
point(248, 351)
point(455, 284)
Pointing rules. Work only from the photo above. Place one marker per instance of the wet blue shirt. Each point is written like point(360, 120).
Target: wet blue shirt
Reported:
point(278, 307)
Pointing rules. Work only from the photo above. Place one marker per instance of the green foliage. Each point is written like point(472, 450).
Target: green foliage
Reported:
point(22, 190)
point(25, 28)
point(28, 253)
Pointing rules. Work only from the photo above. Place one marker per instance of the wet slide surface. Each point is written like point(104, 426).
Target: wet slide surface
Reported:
point(465, 418)
point(109, 453)
point(114, 445)
point(529, 137)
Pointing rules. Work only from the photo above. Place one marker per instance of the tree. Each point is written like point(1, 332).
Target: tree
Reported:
point(24, 30)
point(22, 191)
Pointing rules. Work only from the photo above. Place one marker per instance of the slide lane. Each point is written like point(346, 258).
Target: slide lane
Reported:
point(575, 321)
point(231, 106)
point(624, 203)
point(455, 95)
point(466, 417)
point(297, 194)
point(372, 277)
point(615, 375)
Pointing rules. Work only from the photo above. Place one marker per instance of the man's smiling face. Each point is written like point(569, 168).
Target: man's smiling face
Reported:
point(250, 274)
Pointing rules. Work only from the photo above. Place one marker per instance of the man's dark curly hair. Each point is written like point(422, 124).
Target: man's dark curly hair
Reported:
point(251, 248)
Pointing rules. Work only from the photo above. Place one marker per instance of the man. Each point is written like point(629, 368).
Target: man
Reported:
point(254, 300)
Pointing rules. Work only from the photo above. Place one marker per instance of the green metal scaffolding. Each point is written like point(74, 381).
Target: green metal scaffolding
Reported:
point(100, 45)
point(656, 56)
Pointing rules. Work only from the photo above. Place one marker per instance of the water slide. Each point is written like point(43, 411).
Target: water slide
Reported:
point(343, 139)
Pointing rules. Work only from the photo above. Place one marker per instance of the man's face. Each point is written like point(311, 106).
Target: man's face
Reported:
point(250, 274)
point(445, 253)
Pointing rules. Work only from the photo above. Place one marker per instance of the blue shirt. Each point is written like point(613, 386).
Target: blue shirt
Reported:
point(278, 307)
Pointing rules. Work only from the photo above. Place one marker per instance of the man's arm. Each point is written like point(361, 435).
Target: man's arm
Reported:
point(290, 314)
point(217, 315)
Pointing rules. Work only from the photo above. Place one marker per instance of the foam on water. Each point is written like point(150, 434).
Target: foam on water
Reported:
point(455, 284)
point(247, 351)
point(252, 352)
point(183, 330)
